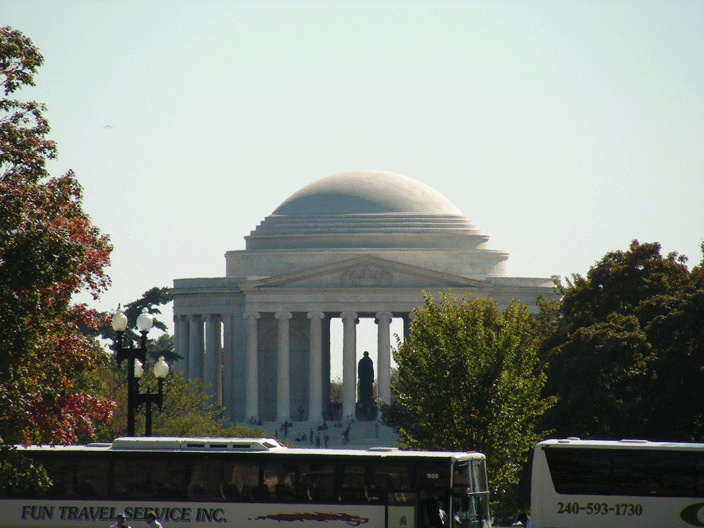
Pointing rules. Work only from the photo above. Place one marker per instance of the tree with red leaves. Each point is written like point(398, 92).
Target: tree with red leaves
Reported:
point(49, 250)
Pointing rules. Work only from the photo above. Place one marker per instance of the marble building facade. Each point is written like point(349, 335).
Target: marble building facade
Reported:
point(354, 245)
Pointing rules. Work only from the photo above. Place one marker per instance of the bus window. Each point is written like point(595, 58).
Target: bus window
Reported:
point(580, 470)
point(60, 469)
point(354, 479)
point(90, 478)
point(434, 475)
point(678, 474)
point(402, 498)
point(220, 480)
point(360, 484)
point(470, 474)
point(394, 478)
point(462, 475)
point(469, 511)
point(316, 482)
point(480, 482)
point(699, 477)
point(84, 477)
point(640, 472)
point(371, 482)
point(280, 480)
point(244, 476)
point(433, 511)
point(146, 478)
point(654, 473)
point(634, 474)
point(204, 481)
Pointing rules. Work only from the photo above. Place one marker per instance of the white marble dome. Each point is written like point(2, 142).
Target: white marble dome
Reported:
point(366, 192)
point(366, 209)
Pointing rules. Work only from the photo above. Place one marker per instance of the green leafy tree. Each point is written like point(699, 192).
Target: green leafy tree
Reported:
point(336, 390)
point(467, 379)
point(626, 349)
point(187, 410)
point(163, 346)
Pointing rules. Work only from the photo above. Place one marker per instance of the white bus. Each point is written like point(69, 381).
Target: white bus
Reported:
point(251, 483)
point(623, 484)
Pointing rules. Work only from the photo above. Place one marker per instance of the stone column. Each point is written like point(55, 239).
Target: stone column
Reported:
point(181, 344)
point(227, 365)
point(407, 324)
point(315, 362)
point(195, 347)
point(326, 363)
point(283, 372)
point(349, 363)
point(213, 364)
point(252, 394)
point(383, 362)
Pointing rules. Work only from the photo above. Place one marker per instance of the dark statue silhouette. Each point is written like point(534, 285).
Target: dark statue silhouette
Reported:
point(366, 406)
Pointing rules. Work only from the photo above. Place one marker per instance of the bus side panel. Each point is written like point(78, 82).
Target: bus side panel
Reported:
point(401, 517)
point(578, 511)
point(550, 509)
point(540, 482)
point(88, 514)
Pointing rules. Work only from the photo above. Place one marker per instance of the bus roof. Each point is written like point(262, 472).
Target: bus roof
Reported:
point(243, 445)
point(621, 444)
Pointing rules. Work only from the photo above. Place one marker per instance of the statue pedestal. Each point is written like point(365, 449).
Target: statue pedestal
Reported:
point(366, 411)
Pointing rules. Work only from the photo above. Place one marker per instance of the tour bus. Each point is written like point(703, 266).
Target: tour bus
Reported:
point(620, 483)
point(250, 483)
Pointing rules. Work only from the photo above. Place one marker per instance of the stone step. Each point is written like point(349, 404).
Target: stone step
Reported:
point(362, 435)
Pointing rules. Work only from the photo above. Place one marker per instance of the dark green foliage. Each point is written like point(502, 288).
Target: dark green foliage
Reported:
point(626, 349)
point(151, 299)
point(18, 473)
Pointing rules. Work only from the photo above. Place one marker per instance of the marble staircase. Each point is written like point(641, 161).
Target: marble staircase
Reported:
point(362, 434)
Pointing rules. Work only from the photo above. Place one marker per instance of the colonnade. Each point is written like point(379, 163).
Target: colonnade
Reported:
point(224, 351)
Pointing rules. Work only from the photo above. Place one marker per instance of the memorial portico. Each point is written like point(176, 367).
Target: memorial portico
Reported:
point(354, 245)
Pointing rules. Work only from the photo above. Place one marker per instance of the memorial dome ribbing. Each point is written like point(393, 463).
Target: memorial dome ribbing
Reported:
point(372, 209)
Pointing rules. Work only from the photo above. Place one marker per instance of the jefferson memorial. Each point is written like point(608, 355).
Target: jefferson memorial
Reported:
point(362, 244)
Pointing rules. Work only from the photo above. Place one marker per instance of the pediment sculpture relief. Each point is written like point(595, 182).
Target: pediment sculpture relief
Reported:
point(366, 276)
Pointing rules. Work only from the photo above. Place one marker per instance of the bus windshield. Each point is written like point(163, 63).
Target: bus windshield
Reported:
point(470, 502)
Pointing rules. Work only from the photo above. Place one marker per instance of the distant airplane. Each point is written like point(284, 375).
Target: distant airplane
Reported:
point(108, 126)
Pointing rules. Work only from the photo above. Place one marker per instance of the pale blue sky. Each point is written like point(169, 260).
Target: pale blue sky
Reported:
point(562, 129)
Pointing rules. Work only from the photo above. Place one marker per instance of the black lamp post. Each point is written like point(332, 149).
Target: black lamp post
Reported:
point(161, 370)
point(131, 354)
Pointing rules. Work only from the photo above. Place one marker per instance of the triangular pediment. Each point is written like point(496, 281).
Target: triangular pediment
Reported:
point(364, 272)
